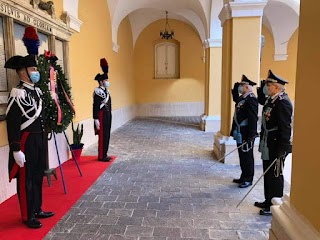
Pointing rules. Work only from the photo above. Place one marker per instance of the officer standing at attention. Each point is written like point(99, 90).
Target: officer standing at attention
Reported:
point(275, 136)
point(26, 137)
point(102, 112)
point(244, 128)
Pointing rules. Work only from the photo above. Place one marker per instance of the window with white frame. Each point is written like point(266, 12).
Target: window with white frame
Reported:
point(167, 60)
point(59, 53)
point(20, 49)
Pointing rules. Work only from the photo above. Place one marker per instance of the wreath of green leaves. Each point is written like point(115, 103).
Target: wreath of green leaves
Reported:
point(50, 108)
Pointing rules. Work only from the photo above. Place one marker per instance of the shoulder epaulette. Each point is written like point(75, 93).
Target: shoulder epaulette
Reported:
point(18, 93)
point(98, 91)
point(282, 96)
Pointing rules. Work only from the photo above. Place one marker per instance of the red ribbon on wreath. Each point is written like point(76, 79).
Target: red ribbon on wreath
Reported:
point(52, 57)
point(54, 94)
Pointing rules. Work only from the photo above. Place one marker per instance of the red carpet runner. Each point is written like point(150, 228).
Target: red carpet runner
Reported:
point(54, 199)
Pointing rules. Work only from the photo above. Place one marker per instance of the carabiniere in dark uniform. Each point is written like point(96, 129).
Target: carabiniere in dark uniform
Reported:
point(244, 129)
point(26, 136)
point(102, 111)
point(274, 139)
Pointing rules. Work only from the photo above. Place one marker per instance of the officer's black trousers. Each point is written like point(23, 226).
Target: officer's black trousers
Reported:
point(273, 186)
point(246, 164)
point(30, 177)
point(105, 119)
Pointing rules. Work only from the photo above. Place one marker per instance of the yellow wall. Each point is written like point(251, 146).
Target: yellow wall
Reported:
point(241, 47)
point(213, 81)
point(285, 69)
point(58, 5)
point(121, 76)
point(3, 134)
point(245, 48)
point(190, 86)
point(305, 194)
point(226, 76)
point(207, 82)
point(87, 47)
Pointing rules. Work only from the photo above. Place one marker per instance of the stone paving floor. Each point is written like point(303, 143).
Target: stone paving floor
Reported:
point(161, 187)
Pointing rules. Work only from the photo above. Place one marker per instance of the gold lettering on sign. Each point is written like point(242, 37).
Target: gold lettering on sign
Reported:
point(23, 17)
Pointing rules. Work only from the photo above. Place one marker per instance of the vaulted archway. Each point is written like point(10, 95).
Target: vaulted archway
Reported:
point(143, 12)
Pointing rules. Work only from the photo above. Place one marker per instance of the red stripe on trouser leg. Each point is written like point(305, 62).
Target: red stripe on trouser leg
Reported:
point(13, 171)
point(101, 140)
point(22, 182)
point(15, 167)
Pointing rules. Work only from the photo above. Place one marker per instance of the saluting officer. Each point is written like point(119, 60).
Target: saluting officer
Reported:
point(27, 138)
point(102, 113)
point(244, 128)
point(275, 136)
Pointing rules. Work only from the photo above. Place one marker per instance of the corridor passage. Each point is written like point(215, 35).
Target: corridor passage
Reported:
point(161, 187)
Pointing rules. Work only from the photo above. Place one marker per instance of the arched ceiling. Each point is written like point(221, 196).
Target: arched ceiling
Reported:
point(144, 12)
point(139, 21)
point(281, 17)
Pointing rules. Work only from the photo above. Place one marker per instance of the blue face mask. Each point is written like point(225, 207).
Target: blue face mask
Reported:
point(35, 76)
point(106, 84)
point(240, 89)
point(265, 90)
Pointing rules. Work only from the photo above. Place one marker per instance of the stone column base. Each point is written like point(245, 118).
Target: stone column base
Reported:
point(288, 224)
point(224, 145)
point(210, 123)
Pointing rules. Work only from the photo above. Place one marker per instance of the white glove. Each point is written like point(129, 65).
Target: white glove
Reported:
point(104, 101)
point(20, 158)
point(97, 124)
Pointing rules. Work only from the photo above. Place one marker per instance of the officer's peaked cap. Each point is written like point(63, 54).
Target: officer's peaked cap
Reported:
point(247, 81)
point(275, 79)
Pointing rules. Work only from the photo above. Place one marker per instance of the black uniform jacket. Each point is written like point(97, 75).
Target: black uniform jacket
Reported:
point(23, 104)
point(99, 98)
point(278, 113)
point(246, 107)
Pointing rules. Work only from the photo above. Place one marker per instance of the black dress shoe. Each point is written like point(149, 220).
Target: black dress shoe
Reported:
point(103, 160)
point(265, 212)
point(237, 180)
point(262, 204)
point(43, 214)
point(33, 223)
point(106, 159)
point(245, 184)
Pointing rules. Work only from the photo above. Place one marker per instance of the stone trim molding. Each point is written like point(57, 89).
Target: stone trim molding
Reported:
point(242, 9)
point(280, 57)
point(73, 22)
point(288, 223)
point(170, 109)
point(22, 11)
